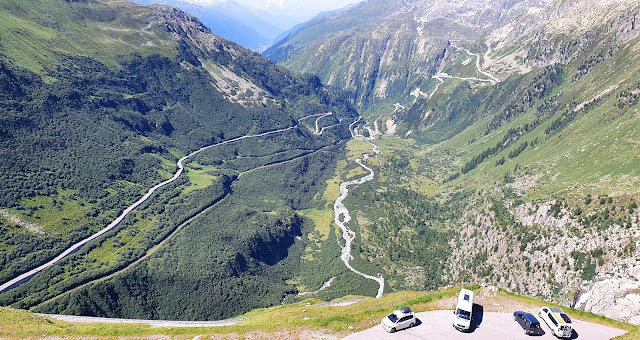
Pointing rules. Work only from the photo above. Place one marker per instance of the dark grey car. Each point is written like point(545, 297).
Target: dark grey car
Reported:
point(528, 322)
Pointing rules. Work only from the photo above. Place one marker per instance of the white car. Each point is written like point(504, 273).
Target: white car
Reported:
point(557, 320)
point(400, 319)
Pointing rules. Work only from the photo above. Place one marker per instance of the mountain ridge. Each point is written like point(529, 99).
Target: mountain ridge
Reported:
point(229, 20)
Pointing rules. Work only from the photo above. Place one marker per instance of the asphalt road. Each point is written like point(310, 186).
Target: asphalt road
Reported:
point(485, 326)
point(152, 323)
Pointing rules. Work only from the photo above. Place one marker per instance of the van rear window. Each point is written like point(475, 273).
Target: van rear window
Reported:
point(466, 297)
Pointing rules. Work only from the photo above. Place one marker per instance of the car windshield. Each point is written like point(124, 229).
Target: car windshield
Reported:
point(535, 325)
point(393, 318)
point(463, 314)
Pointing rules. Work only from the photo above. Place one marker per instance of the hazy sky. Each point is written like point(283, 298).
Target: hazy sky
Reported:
point(298, 4)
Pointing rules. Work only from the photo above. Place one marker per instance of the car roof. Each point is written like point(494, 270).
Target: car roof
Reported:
point(558, 312)
point(528, 316)
point(405, 310)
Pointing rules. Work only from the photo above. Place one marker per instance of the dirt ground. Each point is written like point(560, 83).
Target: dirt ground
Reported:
point(490, 300)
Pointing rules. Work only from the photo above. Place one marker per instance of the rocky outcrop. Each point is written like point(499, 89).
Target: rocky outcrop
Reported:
point(542, 250)
point(614, 295)
point(615, 298)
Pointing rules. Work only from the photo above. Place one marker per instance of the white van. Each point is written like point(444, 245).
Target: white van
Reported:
point(557, 320)
point(464, 310)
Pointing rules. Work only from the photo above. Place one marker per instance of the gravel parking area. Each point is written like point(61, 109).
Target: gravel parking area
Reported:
point(485, 326)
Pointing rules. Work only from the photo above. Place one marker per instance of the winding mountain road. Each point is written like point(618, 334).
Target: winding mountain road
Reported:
point(494, 80)
point(340, 210)
point(28, 275)
point(438, 78)
point(151, 323)
point(318, 130)
point(440, 75)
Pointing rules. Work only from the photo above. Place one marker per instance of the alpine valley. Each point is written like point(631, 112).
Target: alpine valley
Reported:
point(395, 145)
point(514, 122)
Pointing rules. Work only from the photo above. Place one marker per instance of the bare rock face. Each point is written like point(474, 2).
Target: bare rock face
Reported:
point(541, 216)
point(616, 298)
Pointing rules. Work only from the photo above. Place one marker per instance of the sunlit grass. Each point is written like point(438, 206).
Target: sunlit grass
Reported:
point(199, 177)
point(33, 45)
point(55, 214)
point(322, 220)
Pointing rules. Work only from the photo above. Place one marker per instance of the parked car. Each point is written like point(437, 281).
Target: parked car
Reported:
point(557, 320)
point(399, 319)
point(528, 322)
point(464, 311)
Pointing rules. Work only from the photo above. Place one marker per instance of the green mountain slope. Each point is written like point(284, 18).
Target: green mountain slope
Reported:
point(509, 156)
point(99, 101)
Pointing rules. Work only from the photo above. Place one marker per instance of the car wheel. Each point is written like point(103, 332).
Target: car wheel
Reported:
point(393, 330)
point(412, 324)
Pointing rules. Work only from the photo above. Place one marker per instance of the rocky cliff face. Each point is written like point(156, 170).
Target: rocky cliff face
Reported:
point(561, 33)
point(384, 59)
point(614, 297)
point(548, 252)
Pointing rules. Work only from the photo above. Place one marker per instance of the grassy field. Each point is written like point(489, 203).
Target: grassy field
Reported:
point(199, 176)
point(102, 40)
point(346, 169)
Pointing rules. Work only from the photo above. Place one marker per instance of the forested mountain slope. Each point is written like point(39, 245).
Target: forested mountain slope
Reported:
point(510, 154)
point(99, 100)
